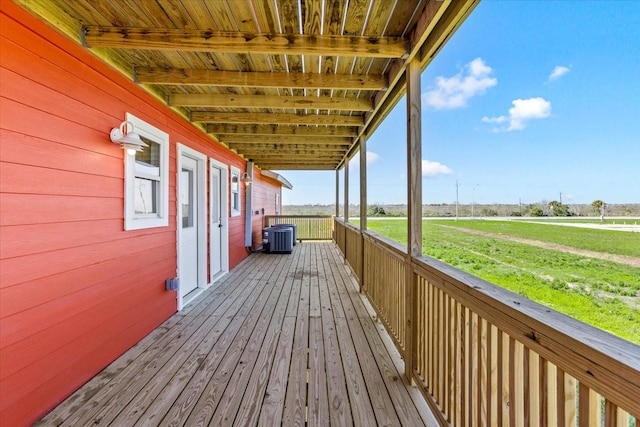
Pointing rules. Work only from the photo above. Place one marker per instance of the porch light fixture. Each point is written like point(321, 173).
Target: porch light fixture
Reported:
point(246, 179)
point(128, 140)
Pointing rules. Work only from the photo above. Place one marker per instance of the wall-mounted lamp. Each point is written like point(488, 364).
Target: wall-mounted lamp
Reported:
point(128, 140)
point(246, 179)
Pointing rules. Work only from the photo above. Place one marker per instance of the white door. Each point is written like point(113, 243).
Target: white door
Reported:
point(188, 268)
point(217, 224)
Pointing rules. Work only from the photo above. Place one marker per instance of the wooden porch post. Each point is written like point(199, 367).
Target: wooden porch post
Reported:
point(346, 190)
point(414, 202)
point(337, 192)
point(363, 183)
point(363, 206)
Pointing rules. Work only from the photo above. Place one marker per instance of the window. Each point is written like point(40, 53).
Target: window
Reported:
point(235, 191)
point(277, 203)
point(146, 180)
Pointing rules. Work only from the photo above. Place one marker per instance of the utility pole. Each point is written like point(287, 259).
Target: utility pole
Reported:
point(457, 186)
point(520, 205)
point(561, 197)
point(473, 200)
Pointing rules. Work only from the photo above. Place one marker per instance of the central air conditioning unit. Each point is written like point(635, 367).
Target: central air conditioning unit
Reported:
point(292, 226)
point(277, 240)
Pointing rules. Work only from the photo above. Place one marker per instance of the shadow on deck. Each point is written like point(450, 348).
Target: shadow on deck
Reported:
point(282, 340)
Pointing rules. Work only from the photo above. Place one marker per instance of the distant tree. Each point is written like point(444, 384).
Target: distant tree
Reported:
point(558, 209)
point(597, 205)
point(536, 211)
point(376, 210)
point(489, 212)
point(515, 213)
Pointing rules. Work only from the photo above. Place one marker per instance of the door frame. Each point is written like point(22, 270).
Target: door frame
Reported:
point(201, 218)
point(224, 213)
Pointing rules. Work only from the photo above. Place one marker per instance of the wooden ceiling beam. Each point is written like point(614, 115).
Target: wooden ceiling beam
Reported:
point(269, 101)
point(224, 128)
point(283, 139)
point(287, 147)
point(311, 151)
point(310, 158)
point(201, 77)
point(192, 40)
point(268, 118)
point(296, 166)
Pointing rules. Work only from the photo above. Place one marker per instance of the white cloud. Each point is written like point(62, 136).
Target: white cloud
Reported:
point(430, 168)
point(454, 92)
point(522, 111)
point(558, 72)
point(372, 157)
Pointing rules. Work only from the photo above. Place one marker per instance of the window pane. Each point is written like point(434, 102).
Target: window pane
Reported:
point(148, 160)
point(215, 199)
point(186, 197)
point(234, 182)
point(146, 196)
point(235, 202)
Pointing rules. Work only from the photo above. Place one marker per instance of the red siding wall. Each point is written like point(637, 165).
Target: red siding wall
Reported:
point(76, 290)
point(264, 197)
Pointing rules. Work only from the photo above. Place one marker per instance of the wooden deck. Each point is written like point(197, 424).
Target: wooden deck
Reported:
point(283, 340)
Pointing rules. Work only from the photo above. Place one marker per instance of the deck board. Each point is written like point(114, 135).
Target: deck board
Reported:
point(282, 340)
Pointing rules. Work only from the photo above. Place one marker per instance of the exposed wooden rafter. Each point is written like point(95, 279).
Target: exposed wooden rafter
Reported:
point(269, 101)
point(266, 118)
point(283, 139)
point(199, 77)
point(298, 157)
point(280, 147)
point(297, 166)
point(249, 129)
point(190, 40)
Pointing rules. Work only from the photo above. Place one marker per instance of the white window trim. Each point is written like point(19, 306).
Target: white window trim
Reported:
point(131, 221)
point(235, 171)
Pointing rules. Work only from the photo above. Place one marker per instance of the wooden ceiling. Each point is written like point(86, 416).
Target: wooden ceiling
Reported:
point(289, 84)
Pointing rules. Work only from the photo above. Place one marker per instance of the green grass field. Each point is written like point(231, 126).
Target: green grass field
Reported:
point(605, 241)
point(602, 293)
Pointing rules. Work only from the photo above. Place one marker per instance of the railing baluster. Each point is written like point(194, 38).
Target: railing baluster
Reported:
point(543, 387)
point(584, 405)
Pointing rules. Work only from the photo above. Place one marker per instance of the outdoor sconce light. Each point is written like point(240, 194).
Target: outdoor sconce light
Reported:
point(129, 141)
point(246, 179)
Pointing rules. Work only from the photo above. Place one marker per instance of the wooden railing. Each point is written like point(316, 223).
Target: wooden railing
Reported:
point(353, 248)
point(308, 227)
point(340, 231)
point(385, 269)
point(482, 355)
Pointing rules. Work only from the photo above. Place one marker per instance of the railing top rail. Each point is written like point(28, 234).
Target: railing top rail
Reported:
point(299, 216)
point(392, 245)
point(351, 226)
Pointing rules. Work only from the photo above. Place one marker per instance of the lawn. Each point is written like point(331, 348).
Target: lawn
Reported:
point(602, 293)
point(606, 241)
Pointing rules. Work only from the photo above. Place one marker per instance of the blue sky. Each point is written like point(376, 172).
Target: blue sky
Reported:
point(529, 99)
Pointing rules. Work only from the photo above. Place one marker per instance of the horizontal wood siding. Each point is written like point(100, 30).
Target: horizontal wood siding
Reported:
point(264, 196)
point(76, 290)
